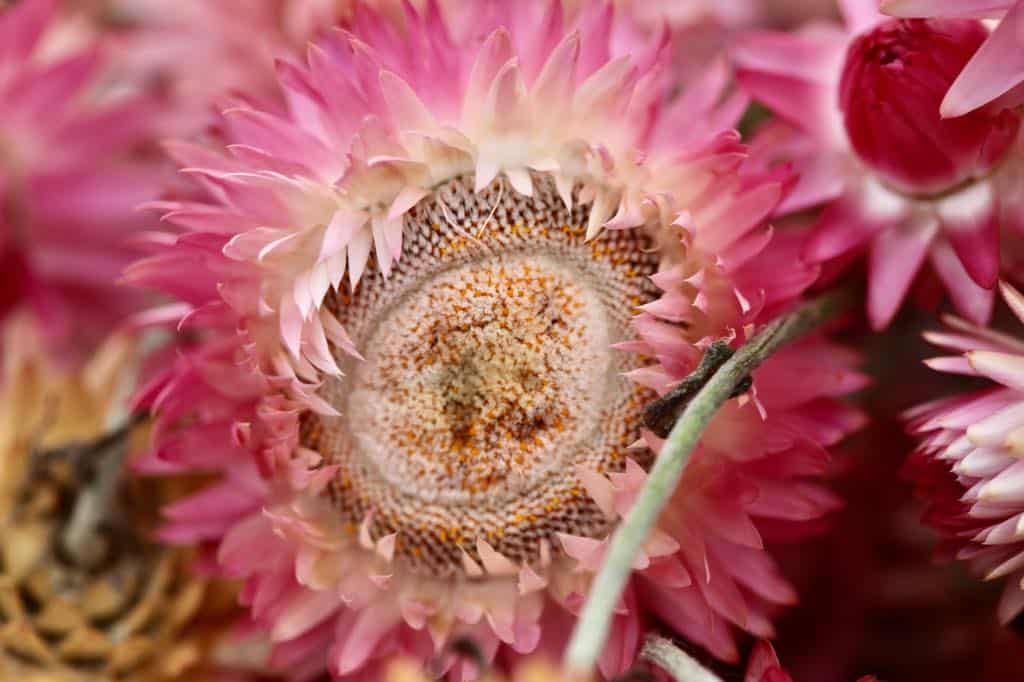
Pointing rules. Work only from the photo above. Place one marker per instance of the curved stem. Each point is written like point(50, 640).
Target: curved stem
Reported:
point(676, 662)
point(595, 619)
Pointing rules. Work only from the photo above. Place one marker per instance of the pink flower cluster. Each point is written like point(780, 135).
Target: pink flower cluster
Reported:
point(412, 275)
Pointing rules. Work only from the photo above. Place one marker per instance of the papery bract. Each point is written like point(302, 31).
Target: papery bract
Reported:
point(967, 465)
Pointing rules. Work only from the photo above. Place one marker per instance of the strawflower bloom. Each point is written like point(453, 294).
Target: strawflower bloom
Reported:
point(896, 180)
point(431, 302)
point(968, 464)
point(73, 170)
point(997, 69)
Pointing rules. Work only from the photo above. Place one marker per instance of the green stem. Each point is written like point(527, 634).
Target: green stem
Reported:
point(592, 627)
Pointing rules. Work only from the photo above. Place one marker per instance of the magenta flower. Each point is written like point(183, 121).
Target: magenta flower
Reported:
point(892, 82)
point(434, 297)
point(72, 172)
point(997, 68)
point(968, 465)
point(896, 180)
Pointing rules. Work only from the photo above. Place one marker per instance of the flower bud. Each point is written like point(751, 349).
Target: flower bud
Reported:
point(893, 82)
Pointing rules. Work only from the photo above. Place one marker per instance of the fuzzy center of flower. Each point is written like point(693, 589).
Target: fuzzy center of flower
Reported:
point(488, 378)
point(482, 380)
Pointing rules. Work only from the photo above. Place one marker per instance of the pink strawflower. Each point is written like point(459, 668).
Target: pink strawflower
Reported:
point(997, 68)
point(433, 299)
point(73, 169)
point(896, 180)
point(968, 464)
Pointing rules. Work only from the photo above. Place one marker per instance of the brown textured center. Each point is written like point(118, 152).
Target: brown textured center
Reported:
point(489, 377)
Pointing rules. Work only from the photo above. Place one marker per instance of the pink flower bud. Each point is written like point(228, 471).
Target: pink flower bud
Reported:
point(893, 82)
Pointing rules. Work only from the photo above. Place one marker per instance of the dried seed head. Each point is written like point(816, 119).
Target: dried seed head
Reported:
point(489, 377)
point(84, 594)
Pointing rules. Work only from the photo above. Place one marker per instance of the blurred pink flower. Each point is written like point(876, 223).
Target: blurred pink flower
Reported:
point(73, 168)
point(896, 180)
point(700, 29)
point(199, 55)
point(434, 296)
point(968, 465)
point(997, 68)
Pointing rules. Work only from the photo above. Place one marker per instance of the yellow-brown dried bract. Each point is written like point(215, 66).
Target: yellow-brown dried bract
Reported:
point(131, 615)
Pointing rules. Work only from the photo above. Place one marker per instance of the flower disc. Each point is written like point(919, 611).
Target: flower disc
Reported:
point(489, 377)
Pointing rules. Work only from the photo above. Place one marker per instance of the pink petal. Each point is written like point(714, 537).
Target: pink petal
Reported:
point(406, 199)
point(802, 57)
point(557, 79)
point(598, 487)
point(302, 614)
point(973, 302)
point(860, 15)
point(763, 661)
point(1012, 601)
point(1008, 486)
point(338, 233)
point(737, 216)
point(21, 26)
point(996, 67)
point(1014, 299)
point(896, 257)
point(408, 110)
point(805, 104)
point(969, 222)
point(841, 228)
point(494, 54)
point(1006, 368)
point(530, 581)
point(363, 639)
point(819, 180)
point(494, 562)
point(358, 255)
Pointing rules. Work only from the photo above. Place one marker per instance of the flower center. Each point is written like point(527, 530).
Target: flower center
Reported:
point(489, 377)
